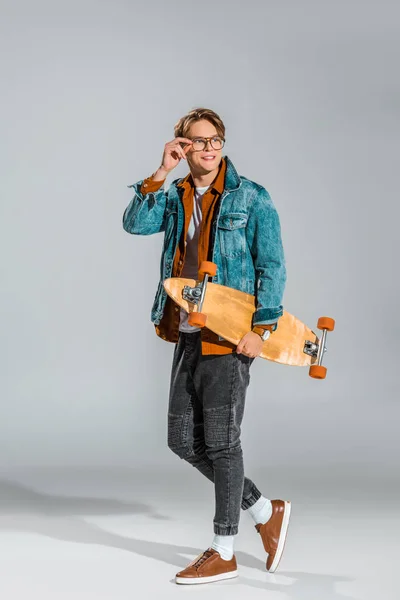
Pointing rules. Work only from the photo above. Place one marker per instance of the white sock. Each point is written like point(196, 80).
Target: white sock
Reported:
point(224, 545)
point(261, 511)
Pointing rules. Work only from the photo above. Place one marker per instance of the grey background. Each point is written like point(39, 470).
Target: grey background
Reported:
point(91, 90)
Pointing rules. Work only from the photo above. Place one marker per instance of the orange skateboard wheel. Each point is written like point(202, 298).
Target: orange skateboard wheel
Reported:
point(197, 319)
point(326, 323)
point(317, 371)
point(208, 268)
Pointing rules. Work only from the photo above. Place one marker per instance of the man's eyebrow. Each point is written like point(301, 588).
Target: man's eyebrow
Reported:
point(199, 137)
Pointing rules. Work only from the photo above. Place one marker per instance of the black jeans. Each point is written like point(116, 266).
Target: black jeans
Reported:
point(206, 405)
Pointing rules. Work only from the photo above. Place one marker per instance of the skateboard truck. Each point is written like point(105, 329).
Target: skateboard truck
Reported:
point(196, 294)
point(310, 348)
point(318, 350)
point(192, 295)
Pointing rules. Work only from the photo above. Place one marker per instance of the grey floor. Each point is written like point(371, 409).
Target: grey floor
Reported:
point(83, 533)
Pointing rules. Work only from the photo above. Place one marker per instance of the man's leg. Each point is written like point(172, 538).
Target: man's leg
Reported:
point(205, 412)
point(185, 411)
point(185, 427)
point(221, 383)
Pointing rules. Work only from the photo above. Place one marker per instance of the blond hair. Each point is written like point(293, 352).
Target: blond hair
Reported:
point(182, 127)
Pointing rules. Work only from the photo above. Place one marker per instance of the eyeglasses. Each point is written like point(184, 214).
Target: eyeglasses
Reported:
point(200, 143)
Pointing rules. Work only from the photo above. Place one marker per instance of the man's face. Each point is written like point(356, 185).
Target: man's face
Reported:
point(197, 160)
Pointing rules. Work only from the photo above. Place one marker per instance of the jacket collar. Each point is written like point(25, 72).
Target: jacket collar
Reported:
point(227, 178)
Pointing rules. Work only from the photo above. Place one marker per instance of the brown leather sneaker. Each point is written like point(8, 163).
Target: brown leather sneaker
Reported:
point(273, 532)
point(208, 567)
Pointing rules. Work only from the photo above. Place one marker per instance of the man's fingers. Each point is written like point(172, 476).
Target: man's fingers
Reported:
point(181, 153)
point(176, 148)
point(179, 139)
point(182, 142)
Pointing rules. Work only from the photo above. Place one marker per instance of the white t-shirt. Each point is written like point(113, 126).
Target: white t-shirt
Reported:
point(191, 267)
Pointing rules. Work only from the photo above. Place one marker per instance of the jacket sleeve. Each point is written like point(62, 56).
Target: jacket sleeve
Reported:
point(145, 213)
point(263, 234)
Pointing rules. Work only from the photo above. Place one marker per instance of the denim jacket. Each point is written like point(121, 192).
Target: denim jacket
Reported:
point(246, 240)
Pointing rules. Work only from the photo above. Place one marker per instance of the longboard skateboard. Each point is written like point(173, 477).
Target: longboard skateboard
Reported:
point(228, 312)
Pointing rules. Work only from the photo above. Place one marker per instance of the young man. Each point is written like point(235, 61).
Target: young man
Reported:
point(214, 214)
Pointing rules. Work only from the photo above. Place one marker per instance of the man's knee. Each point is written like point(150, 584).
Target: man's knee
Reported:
point(223, 451)
point(184, 452)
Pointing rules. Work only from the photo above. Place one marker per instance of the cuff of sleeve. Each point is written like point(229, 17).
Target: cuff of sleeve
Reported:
point(263, 326)
point(149, 185)
point(267, 316)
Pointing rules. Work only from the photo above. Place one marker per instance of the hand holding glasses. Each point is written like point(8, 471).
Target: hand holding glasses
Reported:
point(177, 149)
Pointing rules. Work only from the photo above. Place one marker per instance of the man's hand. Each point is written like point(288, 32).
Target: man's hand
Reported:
point(173, 153)
point(250, 345)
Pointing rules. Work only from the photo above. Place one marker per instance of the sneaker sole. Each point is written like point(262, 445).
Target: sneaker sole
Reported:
point(282, 537)
point(195, 580)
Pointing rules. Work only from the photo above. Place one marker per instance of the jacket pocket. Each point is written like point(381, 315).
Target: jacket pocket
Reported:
point(231, 233)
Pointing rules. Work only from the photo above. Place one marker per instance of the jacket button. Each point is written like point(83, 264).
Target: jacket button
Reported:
point(176, 308)
point(145, 185)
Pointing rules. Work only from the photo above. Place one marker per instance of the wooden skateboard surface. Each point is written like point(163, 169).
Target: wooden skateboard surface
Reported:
point(229, 314)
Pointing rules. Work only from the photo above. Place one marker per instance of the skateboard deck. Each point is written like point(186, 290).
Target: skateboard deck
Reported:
point(229, 314)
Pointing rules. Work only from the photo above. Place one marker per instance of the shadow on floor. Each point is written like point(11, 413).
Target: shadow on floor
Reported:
point(23, 509)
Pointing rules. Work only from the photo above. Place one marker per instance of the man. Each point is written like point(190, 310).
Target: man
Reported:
point(214, 214)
